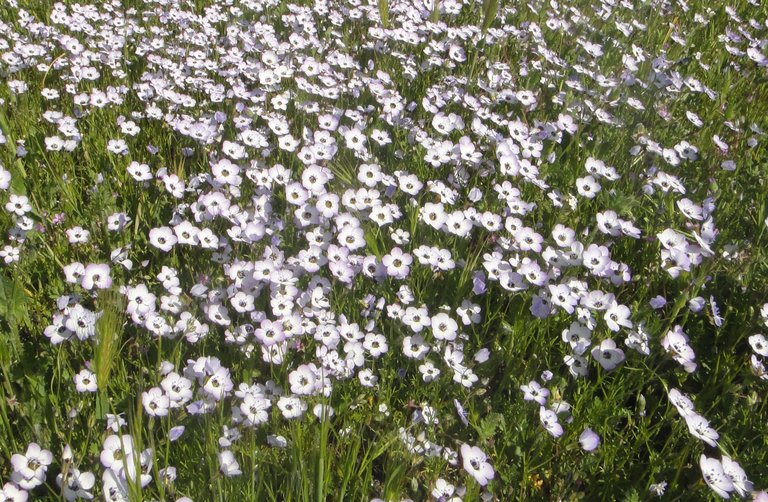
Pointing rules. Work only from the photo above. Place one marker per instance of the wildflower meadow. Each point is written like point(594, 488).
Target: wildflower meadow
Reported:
point(383, 250)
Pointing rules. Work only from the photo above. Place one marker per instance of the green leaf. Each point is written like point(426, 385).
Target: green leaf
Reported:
point(435, 15)
point(490, 424)
point(102, 405)
point(384, 12)
point(18, 175)
point(631, 496)
point(490, 8)
point(373, 244)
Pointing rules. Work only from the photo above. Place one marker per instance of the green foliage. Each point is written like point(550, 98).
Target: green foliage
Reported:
point(384, 12)
point(490, 8)
point(358, 453)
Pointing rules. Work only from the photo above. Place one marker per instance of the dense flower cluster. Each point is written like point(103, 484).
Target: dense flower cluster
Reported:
point(293, 215)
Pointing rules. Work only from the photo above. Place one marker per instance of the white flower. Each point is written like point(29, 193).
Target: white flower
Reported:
point(367, 378)
point(549, 421)
point(443, 490)
point(658, 489)
point(608, 355)
point(577, 365)
point(699, 427)
point(155, 403)
point(476, 464)
point(578, 337)
point(10, 254)
point(12, 493)
point(588, 187)
point(115, 422)
point(96, 275)
point(177, 388)
point(117, 146)
point(162, 238)
point(733, 470)
point(682, 402)
point(589, 440)
point(291, 406)
point(78, 235)
point(758, 368)
point(18, 205)
point(759, 345)
point(82, 322)
point(535, 392)
point(414, 347)
point(29, 469)
point(85, 381)
point(715, 476)
point(176, 432)
point(228, 464)
point(443, 327)
point(5, 179)
point(115, 487)
point(115, 451)
point(617, 316)
point(675, 342)
point(304, 380)
point(117, 221)
point(429, 371)
point(322, 411)
point(186, 233)
point(77, 484)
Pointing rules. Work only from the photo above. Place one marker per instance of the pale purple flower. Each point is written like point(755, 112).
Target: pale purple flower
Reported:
point(397, 263)
point(608, 355)
point(85, 381)
point(589, 440)
point(533, 391)
point(475, 462)
point(715, 476)
point(228, 464)
point(29, 468)
point(162, 238)
point(96, 275)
